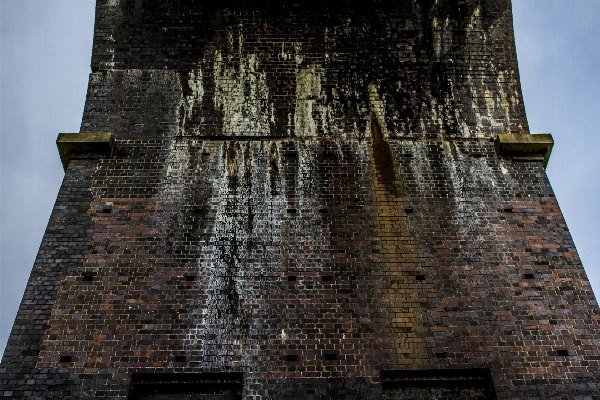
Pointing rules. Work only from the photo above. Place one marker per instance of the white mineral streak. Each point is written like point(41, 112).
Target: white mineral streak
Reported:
point(241, 92)
point(378, 108)
point(305, 229)
point(420, 166)
point(188, 102)
point(177, 165)
point(236, 247)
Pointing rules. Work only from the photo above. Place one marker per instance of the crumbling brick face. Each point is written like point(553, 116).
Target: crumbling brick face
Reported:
point(308, 194)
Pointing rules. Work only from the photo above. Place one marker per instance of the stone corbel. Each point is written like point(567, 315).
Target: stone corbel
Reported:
point(71, 145)
point(525, 147)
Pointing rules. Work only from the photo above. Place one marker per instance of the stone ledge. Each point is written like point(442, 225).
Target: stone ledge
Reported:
point(525, 147)
point(76, 144)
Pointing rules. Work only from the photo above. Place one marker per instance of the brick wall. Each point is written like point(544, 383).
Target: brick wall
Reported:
point(309, 195)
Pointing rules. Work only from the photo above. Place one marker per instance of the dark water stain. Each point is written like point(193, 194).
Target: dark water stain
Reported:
point(273, 170)
point(385, 169)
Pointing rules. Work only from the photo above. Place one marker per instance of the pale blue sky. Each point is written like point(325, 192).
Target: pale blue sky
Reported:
point(45, 49)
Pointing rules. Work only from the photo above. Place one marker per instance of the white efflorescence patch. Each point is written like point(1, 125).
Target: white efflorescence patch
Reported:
point(308, 91)
point(193, 99)
point(241, 92)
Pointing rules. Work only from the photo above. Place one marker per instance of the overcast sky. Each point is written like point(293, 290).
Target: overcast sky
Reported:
point(45, 50)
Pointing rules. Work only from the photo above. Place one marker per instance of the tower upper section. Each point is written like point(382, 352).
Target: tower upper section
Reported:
point(424, 68)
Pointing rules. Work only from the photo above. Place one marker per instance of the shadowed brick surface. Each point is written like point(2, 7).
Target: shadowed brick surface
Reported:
point(306, 194)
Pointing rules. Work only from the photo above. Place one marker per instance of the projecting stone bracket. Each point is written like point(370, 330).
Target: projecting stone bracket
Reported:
point(525, 147)
point(73, 145)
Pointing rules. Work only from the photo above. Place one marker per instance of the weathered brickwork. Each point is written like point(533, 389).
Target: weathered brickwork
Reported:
point(305, 200)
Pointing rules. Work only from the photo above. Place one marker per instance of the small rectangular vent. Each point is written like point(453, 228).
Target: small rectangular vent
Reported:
point(420, 277)
point(528, 276)
point(66, 359)
point(180, 358)
point(291, 211)
point(190, 278)
point(441, 355)
point(562, 353)
point(291, 278)
point(203, 385)
point(291, 357)
point(409, 210)
point(327, 278)
point(439, 383)
point(330, 356)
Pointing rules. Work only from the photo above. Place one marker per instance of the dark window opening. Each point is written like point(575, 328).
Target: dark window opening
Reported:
point(203, 385)
point(476, 384)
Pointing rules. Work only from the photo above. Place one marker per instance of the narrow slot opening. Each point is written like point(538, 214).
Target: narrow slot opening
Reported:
point(420, 277)
point(198, 385)
point(330, 356)
point(205, 154)
point(438, 383)
point(190, 278)
point(409, 210)
point(327, 278)
point(291, 278)
point(562, 352)
point(291, 211)
point(106, 210)
point(441, 355)
point(291, 357)
point(180, 358)
point(66, 359)
point(528, 276)
point(323, 211)
point(508, 210)
point(88, 277)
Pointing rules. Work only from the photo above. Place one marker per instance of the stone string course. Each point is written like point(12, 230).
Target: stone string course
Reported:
point(316, 180)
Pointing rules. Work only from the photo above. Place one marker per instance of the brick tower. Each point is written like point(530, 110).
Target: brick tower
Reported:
point(331, 199)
